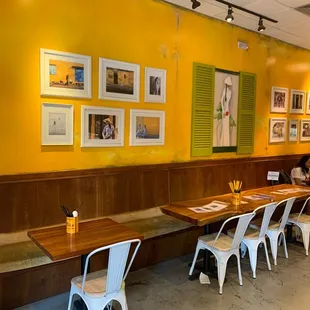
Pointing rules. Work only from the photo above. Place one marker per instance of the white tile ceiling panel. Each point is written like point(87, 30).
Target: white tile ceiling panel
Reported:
point(294, 3)
point(292, 27)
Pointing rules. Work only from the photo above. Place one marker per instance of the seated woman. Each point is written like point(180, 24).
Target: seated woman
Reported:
point(300, 173)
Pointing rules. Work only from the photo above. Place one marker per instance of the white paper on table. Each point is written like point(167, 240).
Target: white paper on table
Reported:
point(204, 279)
point(243, 202)
point(253, 197)
point(214, 206)
point(279, 193)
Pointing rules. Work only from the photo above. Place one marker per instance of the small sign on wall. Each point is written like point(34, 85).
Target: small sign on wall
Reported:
point(273, 175)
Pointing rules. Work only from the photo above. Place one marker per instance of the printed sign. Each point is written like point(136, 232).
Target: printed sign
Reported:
point(273, 175)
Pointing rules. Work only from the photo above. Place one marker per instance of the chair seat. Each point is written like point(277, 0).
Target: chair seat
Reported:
point(223, 243)
point(304, 218)
point(250, 233)
point(95, 284)
point(256, 224)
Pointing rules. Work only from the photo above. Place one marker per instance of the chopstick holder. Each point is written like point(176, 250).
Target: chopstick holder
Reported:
point(72, 225)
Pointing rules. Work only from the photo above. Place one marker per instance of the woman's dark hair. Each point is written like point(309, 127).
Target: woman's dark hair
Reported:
point(302, 164)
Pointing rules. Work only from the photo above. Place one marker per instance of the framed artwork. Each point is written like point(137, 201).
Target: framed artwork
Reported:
point(305, 130)
point(308, 104)
point(57, 124)
point(147, 127)
point(119, 80)
point(293, 130)
point(225, 121)
point(277, 130)
point(65, 74)
point(298, 98)
point(279, 100)
point(155, 85)
point(102, 127)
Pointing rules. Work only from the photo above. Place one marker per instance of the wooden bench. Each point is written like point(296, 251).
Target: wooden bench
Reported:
point(17, 252)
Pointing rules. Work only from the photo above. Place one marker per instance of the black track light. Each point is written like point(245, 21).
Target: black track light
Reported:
point(196, 4)
point(261, 26)
point(229, 18)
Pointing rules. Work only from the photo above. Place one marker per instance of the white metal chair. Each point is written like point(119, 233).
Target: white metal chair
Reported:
point(303, 222)
point(253, 238)
point(99, 289)
point(276, 229)
point(223, 247)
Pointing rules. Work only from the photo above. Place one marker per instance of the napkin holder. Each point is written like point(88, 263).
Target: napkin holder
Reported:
point(72, 225)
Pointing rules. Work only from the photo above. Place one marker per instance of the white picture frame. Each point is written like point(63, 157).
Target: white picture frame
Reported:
point(308, 104)
point(147, 127)
point(279, 100)
point(304, 132)
point(57, 124)
point(72, 74)
point(298, 99)
point(277, 130)
point(102, 127)
point(293, 130)
point(119, 80)
point(155, 85)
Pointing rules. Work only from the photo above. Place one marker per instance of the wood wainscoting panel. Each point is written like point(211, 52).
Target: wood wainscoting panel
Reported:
point(33, 200)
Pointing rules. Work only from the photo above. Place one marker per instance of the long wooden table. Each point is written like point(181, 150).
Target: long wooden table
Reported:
point(181, 210)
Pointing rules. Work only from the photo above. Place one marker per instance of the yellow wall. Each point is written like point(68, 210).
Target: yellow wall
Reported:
point(146, 32)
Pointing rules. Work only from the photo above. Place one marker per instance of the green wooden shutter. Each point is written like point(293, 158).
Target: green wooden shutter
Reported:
point(246, 113)
point(202, 109)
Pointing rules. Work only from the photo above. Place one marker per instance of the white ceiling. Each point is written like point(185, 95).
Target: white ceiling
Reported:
point(292, 27)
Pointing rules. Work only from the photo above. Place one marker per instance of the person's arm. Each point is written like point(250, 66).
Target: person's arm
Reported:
point(298, 181)
point(296, 175)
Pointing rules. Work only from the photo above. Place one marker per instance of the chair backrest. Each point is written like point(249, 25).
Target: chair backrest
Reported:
point(118, 256)
point(287, 210)
point(303, 207)
point(268, 211)
point(243, 223)
point(284, 177)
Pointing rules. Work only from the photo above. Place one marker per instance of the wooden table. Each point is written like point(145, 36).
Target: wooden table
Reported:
point(180, 209)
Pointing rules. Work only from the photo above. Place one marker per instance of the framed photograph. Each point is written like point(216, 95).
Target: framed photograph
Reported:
point(277, 130)
point(155, 85)
point(102, 127)
point(308, 104)
point(225, 120)
point(147, 127)
point(298, 98)
point(119, 80)
point(65, 74)
point(57, 124)
point(293, 130)
point(279, 100)
point(305, 130)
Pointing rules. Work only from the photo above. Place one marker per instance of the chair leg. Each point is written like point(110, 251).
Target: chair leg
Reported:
point(267, 255)
point(274, 248)
point(243, 249)
point(305, 238)
point(284, 245)
point(239, 269)
point(221, 271)
point(253, 260)
point(70, 299)
point(123, 301)
point(194, 260)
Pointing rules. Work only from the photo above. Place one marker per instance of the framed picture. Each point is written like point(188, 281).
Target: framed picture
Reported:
point(102, 127)
point(155, 85)
point(279, 100)
point(119, 80)
point(225, 120)
point(147, 127)
point(305, 130)
point(308, 104)
point(65, 74)
point(293, 130)
point(57, 124)
point(297, 101)
point(277, 130)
